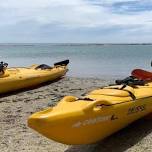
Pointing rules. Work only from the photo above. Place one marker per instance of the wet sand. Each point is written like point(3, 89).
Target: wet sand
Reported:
point(15, 108)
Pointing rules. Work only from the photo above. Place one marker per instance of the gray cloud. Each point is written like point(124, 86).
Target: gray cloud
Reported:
point(76, 21)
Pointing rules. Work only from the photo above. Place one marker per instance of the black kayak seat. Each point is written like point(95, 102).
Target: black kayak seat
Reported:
point(43, 67)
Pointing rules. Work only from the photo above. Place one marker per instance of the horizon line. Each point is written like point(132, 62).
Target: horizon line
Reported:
point(72, 43)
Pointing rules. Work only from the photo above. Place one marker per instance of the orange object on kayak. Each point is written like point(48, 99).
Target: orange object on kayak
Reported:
point(142, 74)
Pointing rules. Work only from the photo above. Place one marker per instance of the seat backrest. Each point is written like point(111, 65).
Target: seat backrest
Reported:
point(43, 67)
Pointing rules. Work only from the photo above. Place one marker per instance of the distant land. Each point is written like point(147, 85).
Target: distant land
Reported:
point(70, 44)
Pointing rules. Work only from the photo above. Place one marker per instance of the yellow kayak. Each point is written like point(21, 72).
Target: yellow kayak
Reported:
point(96, 116)
point(16, 78)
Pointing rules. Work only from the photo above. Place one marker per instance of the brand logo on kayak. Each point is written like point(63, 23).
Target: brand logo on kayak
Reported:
point(92, 121)
point(136, 109)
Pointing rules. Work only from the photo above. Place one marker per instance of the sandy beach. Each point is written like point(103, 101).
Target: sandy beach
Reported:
point(15, 108)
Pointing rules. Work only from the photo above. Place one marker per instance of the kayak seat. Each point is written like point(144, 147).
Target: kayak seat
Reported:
point(43, 67)
point(62, 63)
point(142, 74)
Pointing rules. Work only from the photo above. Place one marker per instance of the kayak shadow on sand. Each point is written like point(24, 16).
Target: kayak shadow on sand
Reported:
point(29, 88)
point(120, 141)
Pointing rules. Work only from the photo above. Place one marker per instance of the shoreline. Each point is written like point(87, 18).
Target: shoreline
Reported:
point(16, 136)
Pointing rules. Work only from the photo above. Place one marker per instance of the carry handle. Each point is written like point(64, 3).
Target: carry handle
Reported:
point(94, 104)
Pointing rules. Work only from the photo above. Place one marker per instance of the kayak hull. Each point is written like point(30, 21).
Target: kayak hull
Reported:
point(19, 78)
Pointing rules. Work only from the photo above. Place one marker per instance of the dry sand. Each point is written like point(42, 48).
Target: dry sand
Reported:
point(15, 136)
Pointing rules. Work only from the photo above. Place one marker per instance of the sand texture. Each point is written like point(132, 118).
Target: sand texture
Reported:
point(15, 108)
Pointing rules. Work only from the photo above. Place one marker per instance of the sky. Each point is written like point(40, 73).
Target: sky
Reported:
point(76, 21)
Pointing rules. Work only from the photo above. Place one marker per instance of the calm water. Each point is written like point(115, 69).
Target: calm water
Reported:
point(85, 60)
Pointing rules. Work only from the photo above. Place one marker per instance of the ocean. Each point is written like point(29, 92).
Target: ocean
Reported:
point(86, 60)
